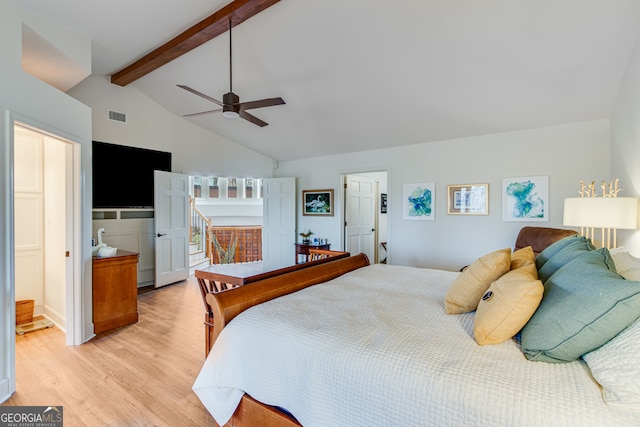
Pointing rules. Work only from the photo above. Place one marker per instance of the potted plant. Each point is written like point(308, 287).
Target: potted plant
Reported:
point(225, 256)
point(306, 236)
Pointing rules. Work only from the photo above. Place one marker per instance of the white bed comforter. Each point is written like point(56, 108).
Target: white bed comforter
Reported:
point(375, 348)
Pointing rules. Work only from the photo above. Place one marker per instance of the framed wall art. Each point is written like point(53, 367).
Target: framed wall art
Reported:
point(525, 199)
point(468, 199)
point(383, 203)
point(317, 202)
point(419, 201)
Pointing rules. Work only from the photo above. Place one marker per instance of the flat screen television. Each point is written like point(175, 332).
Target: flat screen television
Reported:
point(123, 176)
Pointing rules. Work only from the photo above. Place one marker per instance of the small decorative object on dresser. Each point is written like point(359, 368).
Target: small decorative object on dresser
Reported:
point(306, 236)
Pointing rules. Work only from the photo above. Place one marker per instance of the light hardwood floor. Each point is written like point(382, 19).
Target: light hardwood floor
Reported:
point(137, 375)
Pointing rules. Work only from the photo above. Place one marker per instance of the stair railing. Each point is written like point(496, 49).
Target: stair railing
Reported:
point(198, 228)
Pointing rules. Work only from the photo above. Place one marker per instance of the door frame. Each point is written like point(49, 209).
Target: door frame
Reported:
point(343, 217)
point(75, 310)
point(73, 289)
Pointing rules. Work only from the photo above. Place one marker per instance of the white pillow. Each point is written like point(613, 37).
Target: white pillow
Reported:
point(616, 366)
point(627, 265)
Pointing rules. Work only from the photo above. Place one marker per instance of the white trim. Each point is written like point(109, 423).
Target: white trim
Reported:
point(7, 278)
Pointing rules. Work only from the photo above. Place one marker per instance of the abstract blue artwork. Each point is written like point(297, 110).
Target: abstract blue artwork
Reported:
point(419, 201)
point(525, 199)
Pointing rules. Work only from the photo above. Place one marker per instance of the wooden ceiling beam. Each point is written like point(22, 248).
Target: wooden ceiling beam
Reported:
point(205, 30)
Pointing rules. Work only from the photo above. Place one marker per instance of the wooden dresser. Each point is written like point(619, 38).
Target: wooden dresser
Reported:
point(115, 291)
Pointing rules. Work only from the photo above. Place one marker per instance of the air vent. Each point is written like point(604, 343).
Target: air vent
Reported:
point(117, 117)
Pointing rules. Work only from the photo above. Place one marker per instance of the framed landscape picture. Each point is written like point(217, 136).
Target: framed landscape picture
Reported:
point(419, 201)
point(468, 199)
point(317, 202)
point(525, 198)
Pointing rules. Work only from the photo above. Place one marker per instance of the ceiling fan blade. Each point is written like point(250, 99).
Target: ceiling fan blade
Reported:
point(195, 92)
point(252, 119)
point(261, 103)
point(202, 113)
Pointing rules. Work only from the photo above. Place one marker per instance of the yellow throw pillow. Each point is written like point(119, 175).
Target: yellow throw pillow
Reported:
point(522, 257)
point(507, 305)
point(472, 283)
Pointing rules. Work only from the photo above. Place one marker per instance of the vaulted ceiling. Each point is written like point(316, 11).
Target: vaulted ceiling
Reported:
point(367, 74)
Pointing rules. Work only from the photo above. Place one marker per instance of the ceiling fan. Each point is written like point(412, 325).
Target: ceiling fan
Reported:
point(231, 105)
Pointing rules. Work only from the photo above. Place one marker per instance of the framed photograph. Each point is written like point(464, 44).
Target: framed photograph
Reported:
point(419, 201)
point(317, 202)
point(525, 199)
point(383, 203)
point(468, 199)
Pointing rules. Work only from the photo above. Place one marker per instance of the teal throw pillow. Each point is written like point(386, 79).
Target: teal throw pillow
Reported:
point(585, 304)
point(552, 249)
point(576, 246)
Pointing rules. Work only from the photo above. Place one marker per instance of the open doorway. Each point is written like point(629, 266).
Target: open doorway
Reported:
point(44, 227)
point(365, 214)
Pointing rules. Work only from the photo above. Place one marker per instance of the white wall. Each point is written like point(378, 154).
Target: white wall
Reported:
point(30, 100)
point(226, 213)
point(625, 143)
point(566, 154)
point(195, 151)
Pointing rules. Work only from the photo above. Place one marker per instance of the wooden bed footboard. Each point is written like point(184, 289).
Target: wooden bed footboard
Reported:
point(227, 305)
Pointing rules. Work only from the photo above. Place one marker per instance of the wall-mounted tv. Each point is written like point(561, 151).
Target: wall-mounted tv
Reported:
point(123, 176)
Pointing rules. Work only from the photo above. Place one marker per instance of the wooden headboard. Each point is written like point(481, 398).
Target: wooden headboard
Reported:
point(540, 237)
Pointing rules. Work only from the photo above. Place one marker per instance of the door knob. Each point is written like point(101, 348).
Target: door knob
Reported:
point(161, 234)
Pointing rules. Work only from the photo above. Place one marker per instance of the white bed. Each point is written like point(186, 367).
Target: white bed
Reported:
point(375, 347)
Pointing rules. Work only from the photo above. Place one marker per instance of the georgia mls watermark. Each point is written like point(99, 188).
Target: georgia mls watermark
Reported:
point(30, 416)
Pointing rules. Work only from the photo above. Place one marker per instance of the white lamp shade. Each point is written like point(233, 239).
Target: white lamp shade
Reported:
point(601, 212)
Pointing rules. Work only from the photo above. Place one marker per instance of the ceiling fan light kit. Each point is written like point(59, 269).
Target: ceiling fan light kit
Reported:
point(232, 108)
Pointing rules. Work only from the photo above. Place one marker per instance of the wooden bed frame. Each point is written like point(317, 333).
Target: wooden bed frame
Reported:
point(227, 305)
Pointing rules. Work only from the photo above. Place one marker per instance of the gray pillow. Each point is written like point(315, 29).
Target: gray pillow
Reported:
point(585, 304)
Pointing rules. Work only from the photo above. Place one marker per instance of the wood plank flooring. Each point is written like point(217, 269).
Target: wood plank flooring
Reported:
point(137, 375)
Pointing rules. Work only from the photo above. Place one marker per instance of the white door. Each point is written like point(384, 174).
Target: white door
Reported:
point(278, 222)
point(171, 205)
point(360, 207)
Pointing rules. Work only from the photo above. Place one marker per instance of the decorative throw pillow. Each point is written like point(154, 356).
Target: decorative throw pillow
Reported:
point(586, 303)
point(522, 257)
point(577, 246)
point(627, 265)
point(471, 284)
point(552, 249)
point(616, 366)
point(507, 305)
